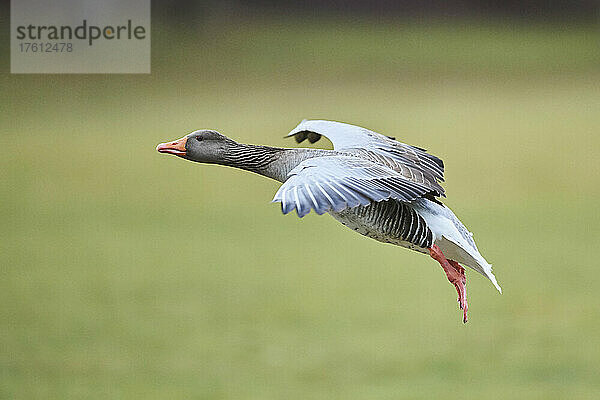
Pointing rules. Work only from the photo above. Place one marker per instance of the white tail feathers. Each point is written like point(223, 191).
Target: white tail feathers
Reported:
point(453, 238)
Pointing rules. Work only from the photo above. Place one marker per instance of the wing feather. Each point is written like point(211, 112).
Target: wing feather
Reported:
point(334, 183)
point(413, 162)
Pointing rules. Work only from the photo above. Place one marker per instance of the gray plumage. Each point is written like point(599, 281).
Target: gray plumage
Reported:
point(375, 185)
point(336, 182)
point(389, 221)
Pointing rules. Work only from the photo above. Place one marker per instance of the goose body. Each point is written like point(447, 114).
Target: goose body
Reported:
point(379, 187)
point(417, 226)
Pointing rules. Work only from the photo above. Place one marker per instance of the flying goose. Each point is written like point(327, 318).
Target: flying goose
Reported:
point(371, 183)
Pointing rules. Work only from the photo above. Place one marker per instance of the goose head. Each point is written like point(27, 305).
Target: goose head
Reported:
point(204, 146)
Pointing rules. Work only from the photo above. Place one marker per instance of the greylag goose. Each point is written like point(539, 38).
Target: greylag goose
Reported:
point(371, 183)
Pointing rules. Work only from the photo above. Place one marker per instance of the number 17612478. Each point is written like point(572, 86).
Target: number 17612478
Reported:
point(45, 47)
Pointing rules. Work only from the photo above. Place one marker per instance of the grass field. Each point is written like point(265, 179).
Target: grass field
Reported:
point(129, 274)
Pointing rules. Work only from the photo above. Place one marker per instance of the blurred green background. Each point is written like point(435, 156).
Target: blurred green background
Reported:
point(129, 274)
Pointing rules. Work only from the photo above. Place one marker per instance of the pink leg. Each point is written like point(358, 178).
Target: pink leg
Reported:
point(456, 276)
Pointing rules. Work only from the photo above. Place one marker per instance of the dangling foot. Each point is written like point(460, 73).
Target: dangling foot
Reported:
point(456, 276)
point(462, 300)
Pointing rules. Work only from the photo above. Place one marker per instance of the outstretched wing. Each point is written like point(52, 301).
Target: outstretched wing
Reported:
point(376, 147)
point(335, 183)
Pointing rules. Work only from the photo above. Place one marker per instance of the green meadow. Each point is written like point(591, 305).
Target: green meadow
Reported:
point(128, 274)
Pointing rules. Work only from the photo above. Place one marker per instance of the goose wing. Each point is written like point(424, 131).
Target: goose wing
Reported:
point(413, 162)
point(334, 183)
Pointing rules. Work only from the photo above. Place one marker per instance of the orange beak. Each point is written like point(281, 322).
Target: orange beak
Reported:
point(177, 147)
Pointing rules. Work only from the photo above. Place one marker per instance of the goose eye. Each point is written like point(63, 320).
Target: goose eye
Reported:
point(199, 138)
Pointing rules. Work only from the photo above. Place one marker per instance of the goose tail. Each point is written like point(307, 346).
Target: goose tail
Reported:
point(453, 238)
